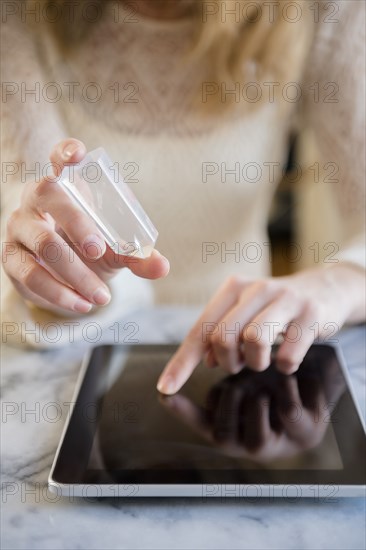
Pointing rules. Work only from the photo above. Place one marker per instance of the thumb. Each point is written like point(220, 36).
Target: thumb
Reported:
point(155, 266)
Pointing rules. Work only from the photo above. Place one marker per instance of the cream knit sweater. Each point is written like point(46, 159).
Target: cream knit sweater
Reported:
point(206, 182)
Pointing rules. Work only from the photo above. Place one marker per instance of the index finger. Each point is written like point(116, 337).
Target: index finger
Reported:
point(190, 353)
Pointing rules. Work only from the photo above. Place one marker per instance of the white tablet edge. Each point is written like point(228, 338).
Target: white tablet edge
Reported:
point(204, 491)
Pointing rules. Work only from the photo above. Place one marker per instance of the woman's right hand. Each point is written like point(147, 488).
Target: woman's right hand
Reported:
point(55, 255)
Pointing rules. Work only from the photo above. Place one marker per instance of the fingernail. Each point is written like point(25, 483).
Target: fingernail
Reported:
point(166, 385)
point(101, 296)
point(82, 306)
point(94, 246)
point(69, 151)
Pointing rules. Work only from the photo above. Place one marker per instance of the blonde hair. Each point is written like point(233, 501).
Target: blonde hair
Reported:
point(235, 35)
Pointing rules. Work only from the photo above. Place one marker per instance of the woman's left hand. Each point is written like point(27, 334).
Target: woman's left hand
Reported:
point(243, 319)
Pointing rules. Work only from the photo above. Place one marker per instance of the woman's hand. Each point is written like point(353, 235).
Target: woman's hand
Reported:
point(243, 319)
point(57, 258)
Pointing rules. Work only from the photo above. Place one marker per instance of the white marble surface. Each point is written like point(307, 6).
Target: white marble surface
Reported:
point(30, 518)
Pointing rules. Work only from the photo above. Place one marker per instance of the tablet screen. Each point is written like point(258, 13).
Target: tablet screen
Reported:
point(245, 428)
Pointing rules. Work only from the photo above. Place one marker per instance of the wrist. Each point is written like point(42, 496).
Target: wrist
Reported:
point(348, 282)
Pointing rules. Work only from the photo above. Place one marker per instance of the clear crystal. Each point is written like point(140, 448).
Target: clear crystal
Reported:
point(98, 188)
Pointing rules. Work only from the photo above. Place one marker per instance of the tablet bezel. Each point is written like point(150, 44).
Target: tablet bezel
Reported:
point(288, 489)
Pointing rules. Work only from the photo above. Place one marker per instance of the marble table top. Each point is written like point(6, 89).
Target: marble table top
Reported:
point(33, 518)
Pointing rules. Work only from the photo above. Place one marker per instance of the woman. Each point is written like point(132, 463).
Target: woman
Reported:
point(198, 99)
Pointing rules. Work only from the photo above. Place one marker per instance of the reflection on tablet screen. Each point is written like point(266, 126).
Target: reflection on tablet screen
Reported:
point(247, 421)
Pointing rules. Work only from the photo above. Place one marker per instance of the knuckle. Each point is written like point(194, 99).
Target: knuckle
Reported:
point(13, 221)
point(44, 240)
point(216, 339)
point(259, 345)
point(290, 358)
point(264, 286)
point(234, 283)
point(28, 193)
point(60, 298)
point(222, 343)
point(258, 355)
point(226, 344)
point(252, 335)
point(42, 188)
point(289, 295)
point(27, 274)
point(81, 279)
point(312, 309)
point(75, 219)
point(86, 281)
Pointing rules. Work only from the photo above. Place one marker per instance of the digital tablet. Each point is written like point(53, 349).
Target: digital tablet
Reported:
point(244, 435)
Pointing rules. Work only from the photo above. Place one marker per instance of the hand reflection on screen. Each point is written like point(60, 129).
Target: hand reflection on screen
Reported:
point(262, 416)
